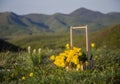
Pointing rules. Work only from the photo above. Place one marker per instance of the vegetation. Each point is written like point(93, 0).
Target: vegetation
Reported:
point(71, 58)
point(35, 66)
point(108, 37)
point(72, 66)
point(42, 41)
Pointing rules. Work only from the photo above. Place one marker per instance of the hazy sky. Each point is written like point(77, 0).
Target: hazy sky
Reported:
point(55, 6)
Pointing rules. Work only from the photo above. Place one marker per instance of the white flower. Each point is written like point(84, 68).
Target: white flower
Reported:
point(34, 51)
point(29, 49)
point(39, 50)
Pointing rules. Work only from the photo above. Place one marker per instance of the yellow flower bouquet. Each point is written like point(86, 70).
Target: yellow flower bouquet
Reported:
point(70, 58)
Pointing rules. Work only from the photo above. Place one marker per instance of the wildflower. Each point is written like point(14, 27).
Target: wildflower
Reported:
point(80, 53)
point(75, 59)
point(78, 66)
point(39, 50)
point(70, 58)
point(63, 64)
point(86, 63)
point(81, 67)
point(52, 57)
point(67, 68)
point(34, 51)
point(96, 57)
point(23, 78)
point(31, 74)
point(67, 46)
point(76, 49)
point(92, 45)
point(29, 49)
point(59, 61)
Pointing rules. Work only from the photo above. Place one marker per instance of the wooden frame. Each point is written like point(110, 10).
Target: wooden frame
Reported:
point(71, 36)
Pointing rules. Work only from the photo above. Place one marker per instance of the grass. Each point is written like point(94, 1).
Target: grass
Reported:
point(106, 69)
point(42, 41)
point(47, 41)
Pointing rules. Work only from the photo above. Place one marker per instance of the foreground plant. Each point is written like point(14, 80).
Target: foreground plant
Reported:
point(35, 56)
point(70, 58)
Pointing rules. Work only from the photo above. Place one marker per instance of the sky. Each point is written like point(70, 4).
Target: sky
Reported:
point(58, 6)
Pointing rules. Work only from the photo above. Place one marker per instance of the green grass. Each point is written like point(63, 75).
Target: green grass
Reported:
point(42, 41)
point(106, 69)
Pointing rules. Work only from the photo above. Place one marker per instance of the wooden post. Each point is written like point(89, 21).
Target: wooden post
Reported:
point(71, 40)
point(86, 38)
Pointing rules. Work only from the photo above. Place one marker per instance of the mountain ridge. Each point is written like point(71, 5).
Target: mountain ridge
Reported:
point(58, 22)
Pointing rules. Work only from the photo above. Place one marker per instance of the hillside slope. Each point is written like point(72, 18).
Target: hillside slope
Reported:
point(6, 46)
point(109, 37)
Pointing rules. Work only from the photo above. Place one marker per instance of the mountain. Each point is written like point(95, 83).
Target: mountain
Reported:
point(11, 23)
point(9, 18)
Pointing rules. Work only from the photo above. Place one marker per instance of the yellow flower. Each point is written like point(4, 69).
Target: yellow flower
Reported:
point(92, 45)
point(80, 53)
point(52, 57)
point(63, 64)
point(76, 49)
point(78, 66)
point(59, 63)
point(75, 60)
point(67, 46)
point(31, 74)
point(69, 57)
point(23, 78)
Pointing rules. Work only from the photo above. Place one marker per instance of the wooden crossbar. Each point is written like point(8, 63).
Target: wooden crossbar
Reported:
point(80, 27)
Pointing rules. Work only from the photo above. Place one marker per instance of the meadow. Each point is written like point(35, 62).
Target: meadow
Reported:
point(35, 67)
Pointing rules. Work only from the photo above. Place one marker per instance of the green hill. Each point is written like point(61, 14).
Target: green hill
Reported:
point(13, 24)
point(108, 37)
